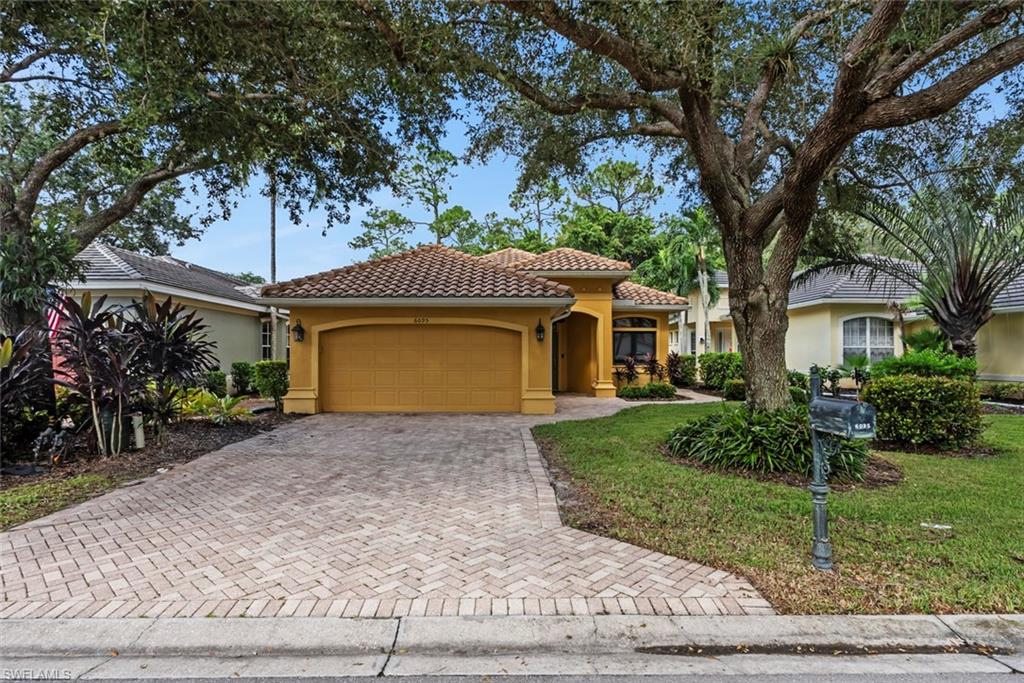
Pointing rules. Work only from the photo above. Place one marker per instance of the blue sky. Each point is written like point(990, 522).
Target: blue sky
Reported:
point(243, 242)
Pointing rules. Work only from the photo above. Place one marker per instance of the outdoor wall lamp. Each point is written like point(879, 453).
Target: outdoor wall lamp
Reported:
point(539, 330)
point(299, 332)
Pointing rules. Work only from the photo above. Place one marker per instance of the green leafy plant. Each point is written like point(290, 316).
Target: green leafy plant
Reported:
point(762, 442)
point(830, 379)
point(626, 370)
point(799, 395)
point(735, 390)
point(927, 363)
point(681, 370)
point(272, 380)
point(649, 390)
point(241, 377)
point(798, 379)
point(220, 410)
point(717, 368)
point(217, 383)
point(927, 340)
point(858, 369)
point(925, 411)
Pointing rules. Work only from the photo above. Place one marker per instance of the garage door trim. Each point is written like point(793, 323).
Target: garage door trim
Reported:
point(524, 338)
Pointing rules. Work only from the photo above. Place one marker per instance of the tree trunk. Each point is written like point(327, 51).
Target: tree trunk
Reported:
point(759, 317)
point(705, 305)
point(964, 345)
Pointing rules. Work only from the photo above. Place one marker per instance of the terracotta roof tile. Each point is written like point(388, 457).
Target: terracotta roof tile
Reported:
point(508, 256)
point(645, 296)
point(431, 271)
point(568, 259)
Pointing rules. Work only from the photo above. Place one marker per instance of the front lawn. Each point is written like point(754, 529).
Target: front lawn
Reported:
point(622, 486)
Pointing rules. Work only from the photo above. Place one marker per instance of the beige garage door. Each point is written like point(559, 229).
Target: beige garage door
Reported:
point(420, 368)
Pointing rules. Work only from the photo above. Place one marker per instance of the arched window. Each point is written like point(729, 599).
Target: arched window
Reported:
point(867, 336)
point(633, 337)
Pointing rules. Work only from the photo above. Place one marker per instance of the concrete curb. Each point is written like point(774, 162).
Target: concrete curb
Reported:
point(429, 636)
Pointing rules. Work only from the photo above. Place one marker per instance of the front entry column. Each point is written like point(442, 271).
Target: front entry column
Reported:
point(604, 385)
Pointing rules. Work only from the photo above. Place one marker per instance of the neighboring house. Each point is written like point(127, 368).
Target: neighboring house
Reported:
point(692, 327)
point(239, 323)
point(835, 316)
point(436, 330)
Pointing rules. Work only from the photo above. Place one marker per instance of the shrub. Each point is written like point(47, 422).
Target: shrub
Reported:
point(655, 370)
point(927, 339)
point(682, 370)
point(272, 380)
point(764, 442)
point(717, 368)
point(926, 363)
point(217, 383)
point(649, 390)
point(925, 411)
point(1002, 391)
point(220, 410)
point(241, 377)
point(799, 379)
point(735, 390)
point(799, 395)
point(626, 370)
point(24, 390)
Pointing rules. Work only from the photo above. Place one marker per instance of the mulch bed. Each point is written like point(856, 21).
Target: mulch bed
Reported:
point(183, 441)
point(878, 473)
point(1008, 408)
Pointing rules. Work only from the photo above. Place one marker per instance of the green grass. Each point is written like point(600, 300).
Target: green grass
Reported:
point(25, 502)
point(886, 562)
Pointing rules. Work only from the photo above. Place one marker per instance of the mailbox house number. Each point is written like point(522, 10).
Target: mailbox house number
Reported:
point(862, 425)
point(421, 321)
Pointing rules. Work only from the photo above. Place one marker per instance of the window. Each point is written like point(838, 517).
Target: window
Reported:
point(633, 337)
point(693, 343)
point(266, 349)
point(870, 337)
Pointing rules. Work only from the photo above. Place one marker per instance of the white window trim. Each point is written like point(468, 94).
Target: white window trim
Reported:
point(897, 342)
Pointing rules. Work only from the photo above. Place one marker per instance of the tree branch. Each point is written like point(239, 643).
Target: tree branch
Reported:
point(7, 75)
point(886, 84)
point(93, 225)
point(595, 39)
point(37, 176)
point(945, 94)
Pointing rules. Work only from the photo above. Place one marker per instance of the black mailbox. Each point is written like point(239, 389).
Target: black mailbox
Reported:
point(850, 419)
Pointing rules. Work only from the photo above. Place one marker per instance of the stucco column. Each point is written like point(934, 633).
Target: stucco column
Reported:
point(604, 385)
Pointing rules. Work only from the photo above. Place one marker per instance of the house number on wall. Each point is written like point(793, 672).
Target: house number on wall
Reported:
point(421, 321)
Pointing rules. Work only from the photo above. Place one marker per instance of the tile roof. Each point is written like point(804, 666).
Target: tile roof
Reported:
point(645, 296)
point(508, 256)
point(840, 285)
point(568, 259)
point(104, 262)
point(1012, 296)
point(431, 271)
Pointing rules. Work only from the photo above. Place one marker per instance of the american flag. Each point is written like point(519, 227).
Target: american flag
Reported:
point(54, 313)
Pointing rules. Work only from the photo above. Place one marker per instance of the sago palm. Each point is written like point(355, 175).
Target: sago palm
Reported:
point(957, 250)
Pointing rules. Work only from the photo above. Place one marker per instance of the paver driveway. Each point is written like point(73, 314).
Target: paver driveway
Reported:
point(350, 515)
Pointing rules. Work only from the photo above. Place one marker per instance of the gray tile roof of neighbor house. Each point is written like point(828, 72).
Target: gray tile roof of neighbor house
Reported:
point(1012, 296)
point(103, 262)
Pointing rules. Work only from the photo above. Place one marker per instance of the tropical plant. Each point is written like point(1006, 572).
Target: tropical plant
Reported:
point(682, 370)
point(857, 368)
point(23, 388)
point(85, 344)
point(655, 370)
point(626, 370)
point(958, 245)
point(174, 352)
point(927, 339)
point(220, 410)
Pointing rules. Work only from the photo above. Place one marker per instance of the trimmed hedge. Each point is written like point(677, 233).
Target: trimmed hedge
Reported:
point(649, 390)
point(925, 411)
point(926, 363)
point(272, 380)
point(217, 383)
point(799, 395)
point(718, 368)
point(735, 390)
point(762, 442)
point(1002, 391)
point(241, 376)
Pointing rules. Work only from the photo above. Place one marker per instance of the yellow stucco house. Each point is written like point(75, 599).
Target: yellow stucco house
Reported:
point(433, 329)
point(838, 315)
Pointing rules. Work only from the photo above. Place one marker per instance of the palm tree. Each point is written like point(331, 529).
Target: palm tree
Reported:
point(958, 249)
point(686, 261)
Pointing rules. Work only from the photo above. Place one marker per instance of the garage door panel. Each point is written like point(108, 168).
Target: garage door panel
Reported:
point(420, 369)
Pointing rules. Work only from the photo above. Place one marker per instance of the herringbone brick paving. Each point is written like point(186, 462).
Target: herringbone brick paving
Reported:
point(351, 515)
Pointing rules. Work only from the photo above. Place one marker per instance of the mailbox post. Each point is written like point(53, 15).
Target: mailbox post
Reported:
point(831, 419)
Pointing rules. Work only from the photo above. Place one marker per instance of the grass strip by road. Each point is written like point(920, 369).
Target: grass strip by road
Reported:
point(20, 504)
point(892, 553)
